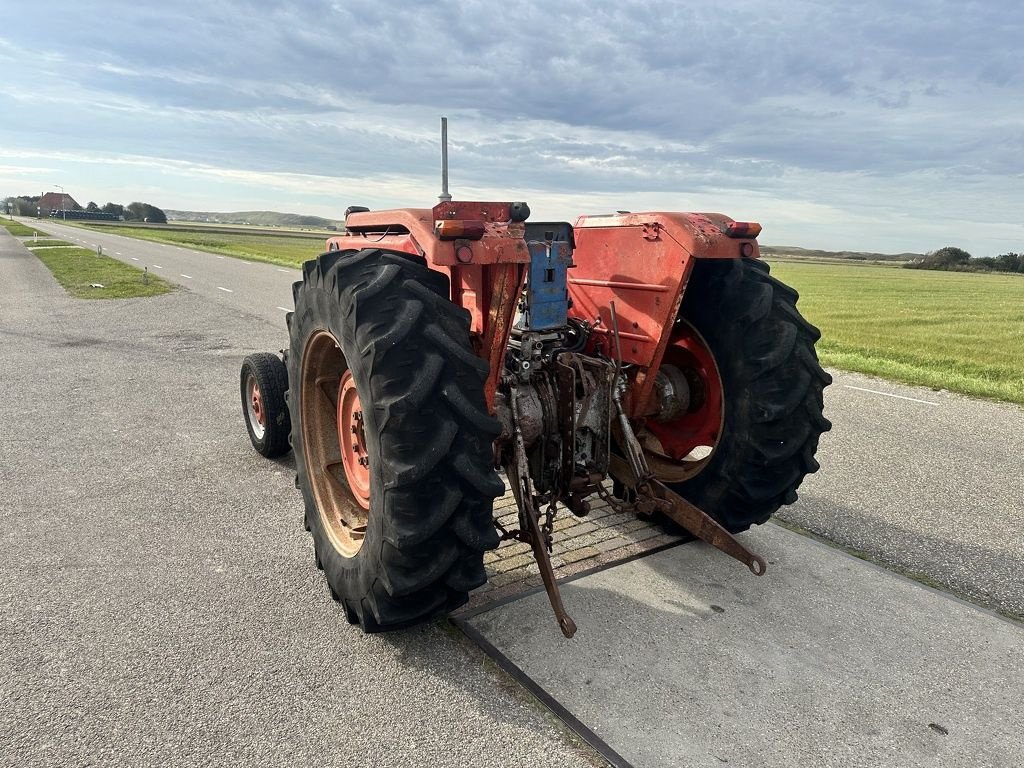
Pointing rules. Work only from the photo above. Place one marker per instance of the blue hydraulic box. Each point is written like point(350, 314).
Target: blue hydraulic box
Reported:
point(547, 291)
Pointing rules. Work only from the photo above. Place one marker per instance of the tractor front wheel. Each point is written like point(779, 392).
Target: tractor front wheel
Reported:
point(391, 435)
point(264, 382)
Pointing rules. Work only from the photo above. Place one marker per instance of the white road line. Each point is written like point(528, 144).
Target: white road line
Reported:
point(117, 253)
point(284, 309)
point(226, 290)
point(889, 394)
point(282, 270)
point(134, 259)
point(220, 257)
point(188, 276)
point(158, 266)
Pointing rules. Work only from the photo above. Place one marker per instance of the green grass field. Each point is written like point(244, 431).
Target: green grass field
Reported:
point(946, 330)
point(18, 229)
point(287, 251)
point(76, 269)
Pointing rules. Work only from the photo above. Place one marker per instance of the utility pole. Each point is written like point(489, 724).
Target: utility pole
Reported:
point(63, 211)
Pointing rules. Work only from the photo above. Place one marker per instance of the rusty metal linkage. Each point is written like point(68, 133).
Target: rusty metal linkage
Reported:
point(530, 527)
point(703, 526)
point(653, 496)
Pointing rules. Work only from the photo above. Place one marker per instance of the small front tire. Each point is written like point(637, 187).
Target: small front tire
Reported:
point(264, 382)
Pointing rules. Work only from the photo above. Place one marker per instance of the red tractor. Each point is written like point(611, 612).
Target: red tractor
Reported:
point(432, 349)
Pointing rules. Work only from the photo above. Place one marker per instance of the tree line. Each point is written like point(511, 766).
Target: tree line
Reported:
point(28, 205)
point(952, 259)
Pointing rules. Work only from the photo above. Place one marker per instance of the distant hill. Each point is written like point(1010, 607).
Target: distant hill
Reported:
point(783, 251)
point(255, 218)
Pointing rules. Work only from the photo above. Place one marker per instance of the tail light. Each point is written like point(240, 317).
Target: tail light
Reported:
point(454, 229)
point(742, 229)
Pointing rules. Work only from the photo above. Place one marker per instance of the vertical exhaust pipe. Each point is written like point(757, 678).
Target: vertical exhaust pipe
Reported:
point(444, 197)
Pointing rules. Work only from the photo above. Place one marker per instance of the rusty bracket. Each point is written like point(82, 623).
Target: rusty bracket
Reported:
point(703, 526)
point(654, 496)
point(651, 230)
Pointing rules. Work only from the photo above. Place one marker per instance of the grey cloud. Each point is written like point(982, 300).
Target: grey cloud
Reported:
point(588, 96)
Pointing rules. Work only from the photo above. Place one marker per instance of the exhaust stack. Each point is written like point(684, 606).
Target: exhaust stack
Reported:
point(444, 197)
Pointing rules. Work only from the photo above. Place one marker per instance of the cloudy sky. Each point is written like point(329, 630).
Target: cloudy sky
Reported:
point(884, 125)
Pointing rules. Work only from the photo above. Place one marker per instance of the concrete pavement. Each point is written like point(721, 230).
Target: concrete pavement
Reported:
point(684, 659)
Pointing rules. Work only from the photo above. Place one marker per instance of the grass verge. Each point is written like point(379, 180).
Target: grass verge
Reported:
point(18, 229)
point(77, 269)
point(44, 242)
point(963, 332)
point(287, 251)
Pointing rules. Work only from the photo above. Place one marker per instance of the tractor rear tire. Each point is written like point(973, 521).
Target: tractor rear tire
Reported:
point(264, 384)
point(382, 322)
point(772, 386)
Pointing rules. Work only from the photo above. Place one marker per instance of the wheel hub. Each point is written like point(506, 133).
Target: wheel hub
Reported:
point(352, 440)
point(678, 448)
point(254, 406)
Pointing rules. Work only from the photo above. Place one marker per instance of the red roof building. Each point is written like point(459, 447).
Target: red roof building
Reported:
point(56, 201)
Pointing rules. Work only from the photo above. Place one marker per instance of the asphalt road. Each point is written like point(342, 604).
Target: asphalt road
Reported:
point(159, 604)
point(927, 482)
point(158, 601)
point(253, 287)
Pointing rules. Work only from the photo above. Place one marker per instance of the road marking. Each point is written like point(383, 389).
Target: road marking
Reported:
point(134, 259)
point(117, 253)
point(158, 266)
point(889, 394)
point(282, 270)
point(188, 276)
point(284, 309)
point(226, 290)
point(220, 257)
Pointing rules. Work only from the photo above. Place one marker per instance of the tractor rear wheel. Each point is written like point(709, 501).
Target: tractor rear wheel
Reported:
point(756, 410)
point(391, 435)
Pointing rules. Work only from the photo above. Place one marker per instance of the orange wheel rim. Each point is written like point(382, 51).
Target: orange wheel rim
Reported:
point(352, 440)
point(334, 444)
point(680, 449)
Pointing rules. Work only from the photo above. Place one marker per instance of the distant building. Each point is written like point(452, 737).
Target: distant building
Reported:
point(56, 201)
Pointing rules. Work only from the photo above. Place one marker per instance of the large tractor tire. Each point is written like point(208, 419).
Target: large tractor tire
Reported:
point(756, 407)
point(391, 436)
